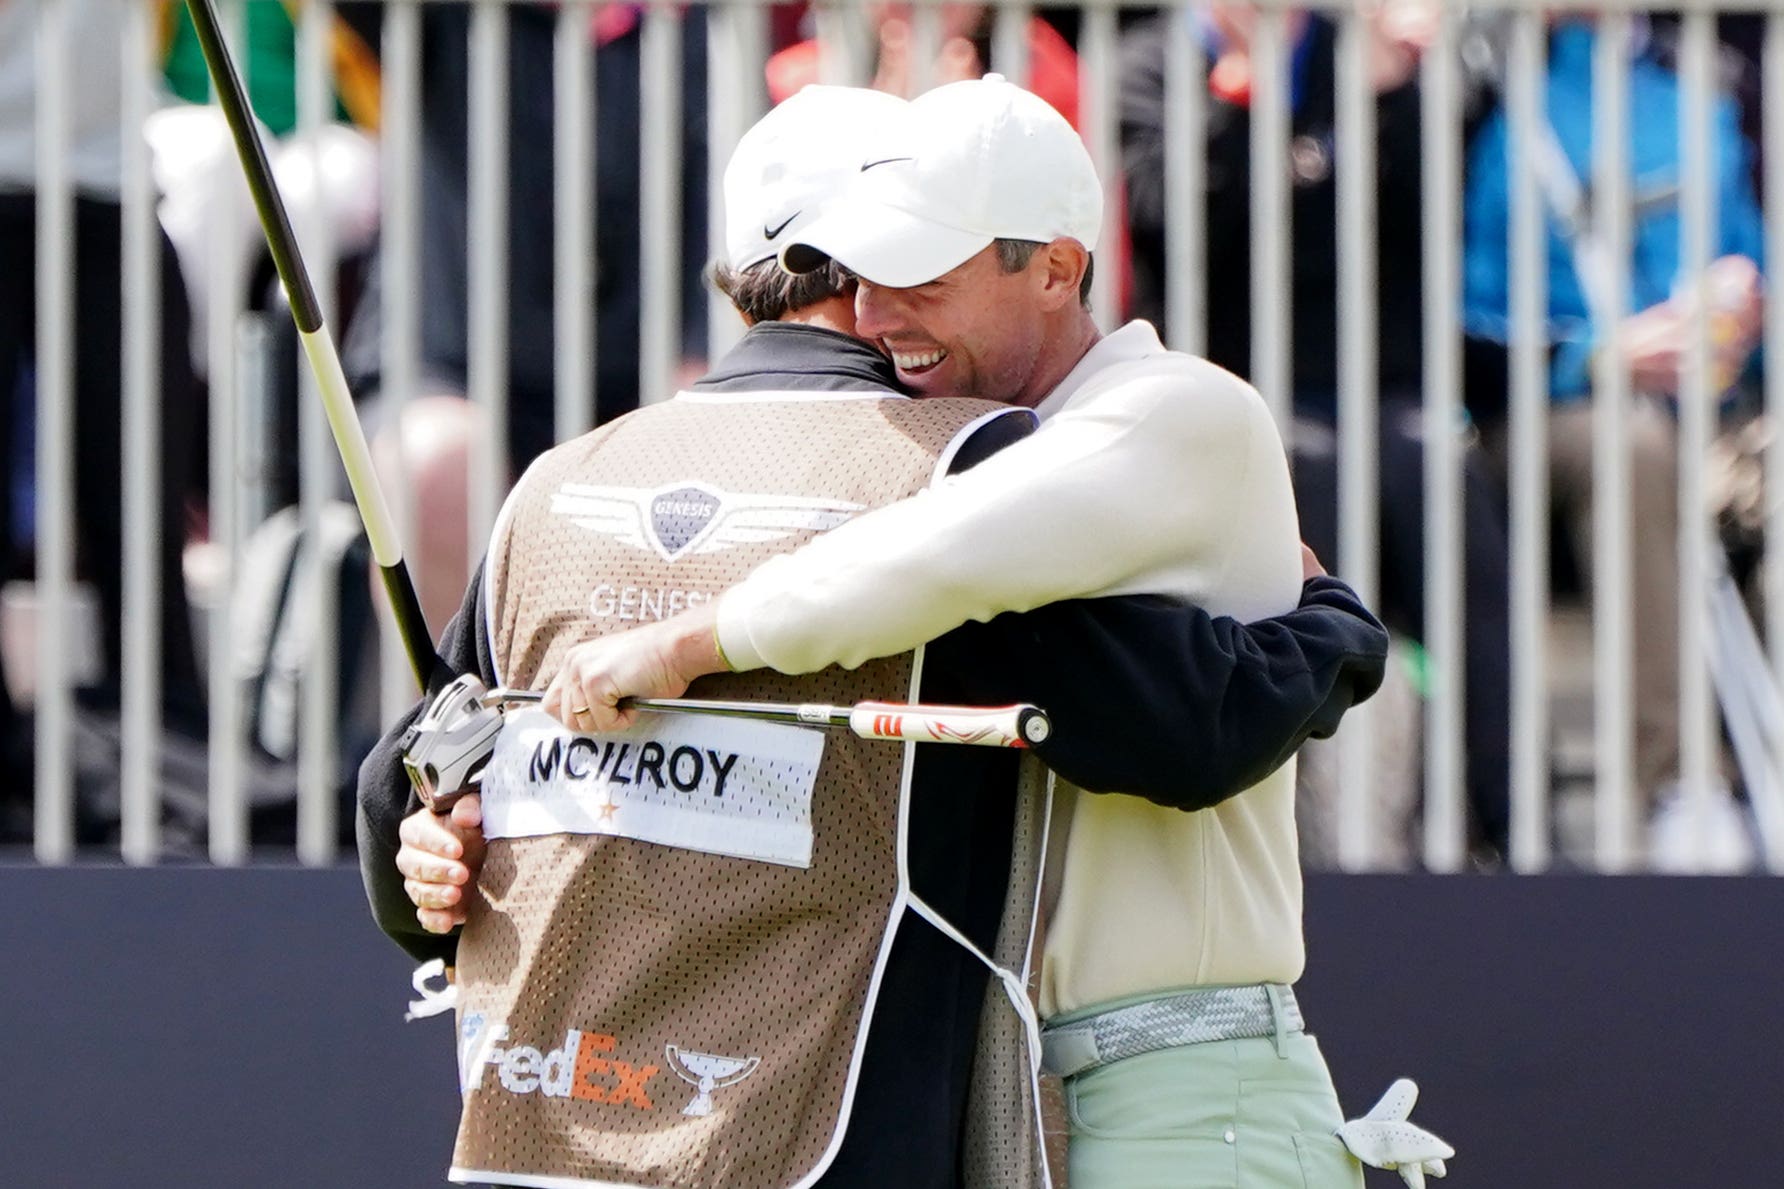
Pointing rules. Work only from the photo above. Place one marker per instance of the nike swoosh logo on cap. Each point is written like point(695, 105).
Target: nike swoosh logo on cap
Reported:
point(769, 235)
point(884, 161)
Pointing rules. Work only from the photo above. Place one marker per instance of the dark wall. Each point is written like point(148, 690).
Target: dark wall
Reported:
point(221, 1028)
point(1579, 1031)
point(212, 1028)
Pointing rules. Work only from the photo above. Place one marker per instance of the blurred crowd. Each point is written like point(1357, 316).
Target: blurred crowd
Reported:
point(209, 253)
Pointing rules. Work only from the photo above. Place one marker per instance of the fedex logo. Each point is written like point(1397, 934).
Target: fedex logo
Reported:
point(581, 1067)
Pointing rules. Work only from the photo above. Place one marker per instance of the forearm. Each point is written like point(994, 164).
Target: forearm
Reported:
point(385, 796)
point(1156, 699)
point(1090, 505)
point(1316, 663)
point(384, 800)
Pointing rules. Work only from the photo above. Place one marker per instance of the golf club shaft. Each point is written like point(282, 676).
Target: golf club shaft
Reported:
point(983, 726)
point(431, 673)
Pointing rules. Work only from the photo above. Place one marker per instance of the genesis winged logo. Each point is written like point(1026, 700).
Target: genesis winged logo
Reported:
point(691, 517)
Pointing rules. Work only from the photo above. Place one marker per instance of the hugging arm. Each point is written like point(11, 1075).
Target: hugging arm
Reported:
point(1157, 699)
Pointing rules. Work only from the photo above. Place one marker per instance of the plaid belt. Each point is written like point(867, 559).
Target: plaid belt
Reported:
point(1194, 1017)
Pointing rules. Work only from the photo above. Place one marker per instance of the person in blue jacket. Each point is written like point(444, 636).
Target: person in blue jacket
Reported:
point(1651, 322)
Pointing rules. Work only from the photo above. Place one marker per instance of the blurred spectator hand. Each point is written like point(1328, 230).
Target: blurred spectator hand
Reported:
point(1403, 30)
point(1230, 75)
point(1654, 346)
point(1735, 293)
point(959, 60)
point(1656, 340)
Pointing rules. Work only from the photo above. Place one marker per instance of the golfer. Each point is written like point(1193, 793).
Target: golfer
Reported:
point(1173, 938)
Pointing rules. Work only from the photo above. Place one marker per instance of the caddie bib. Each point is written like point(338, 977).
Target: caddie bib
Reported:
point(668, 978)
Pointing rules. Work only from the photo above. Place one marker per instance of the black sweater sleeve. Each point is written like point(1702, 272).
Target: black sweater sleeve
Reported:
point(385, 797)
point(1161, 700)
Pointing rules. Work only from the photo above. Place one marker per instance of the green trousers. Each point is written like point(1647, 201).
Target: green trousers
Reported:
point(1225, 1115)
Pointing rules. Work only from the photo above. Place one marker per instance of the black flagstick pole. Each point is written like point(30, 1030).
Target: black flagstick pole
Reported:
point(431, 672)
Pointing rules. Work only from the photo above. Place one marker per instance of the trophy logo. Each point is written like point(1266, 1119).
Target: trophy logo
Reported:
point(707, 1072)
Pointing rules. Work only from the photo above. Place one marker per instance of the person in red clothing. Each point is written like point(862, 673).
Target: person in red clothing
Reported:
point(965, 53)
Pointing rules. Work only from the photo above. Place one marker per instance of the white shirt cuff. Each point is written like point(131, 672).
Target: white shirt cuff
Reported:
point(733, 631)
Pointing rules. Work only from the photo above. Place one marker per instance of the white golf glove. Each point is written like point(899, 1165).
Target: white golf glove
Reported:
point(1384, 1139)
point(434, 1001)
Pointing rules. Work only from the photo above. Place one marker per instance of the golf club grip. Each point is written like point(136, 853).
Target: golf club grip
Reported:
point(996, 726)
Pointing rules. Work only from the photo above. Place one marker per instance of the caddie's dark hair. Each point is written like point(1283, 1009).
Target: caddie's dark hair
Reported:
point(1013, 255)
point(765, 292)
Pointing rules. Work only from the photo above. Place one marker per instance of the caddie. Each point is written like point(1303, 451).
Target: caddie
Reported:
point(685, 960)
point(1172, 938)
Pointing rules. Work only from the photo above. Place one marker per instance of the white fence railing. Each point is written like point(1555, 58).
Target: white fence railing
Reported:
point(735, 39)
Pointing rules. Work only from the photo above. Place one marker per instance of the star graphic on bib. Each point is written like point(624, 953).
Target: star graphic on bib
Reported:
point(606, 810)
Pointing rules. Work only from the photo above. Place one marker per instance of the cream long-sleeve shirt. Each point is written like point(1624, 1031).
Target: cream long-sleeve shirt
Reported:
point(1152, 472)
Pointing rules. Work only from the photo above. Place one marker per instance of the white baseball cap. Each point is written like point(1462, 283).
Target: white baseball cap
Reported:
point(964, 165)
point(794, 160)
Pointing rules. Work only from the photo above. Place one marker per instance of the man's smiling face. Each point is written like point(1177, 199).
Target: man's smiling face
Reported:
point(975, 331)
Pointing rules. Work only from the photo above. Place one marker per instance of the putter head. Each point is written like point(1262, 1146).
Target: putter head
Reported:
point(447, 748)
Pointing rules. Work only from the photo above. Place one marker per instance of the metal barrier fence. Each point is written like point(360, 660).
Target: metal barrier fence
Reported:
point(737, 36)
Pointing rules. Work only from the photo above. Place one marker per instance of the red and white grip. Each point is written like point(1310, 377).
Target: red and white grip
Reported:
point(995, 726)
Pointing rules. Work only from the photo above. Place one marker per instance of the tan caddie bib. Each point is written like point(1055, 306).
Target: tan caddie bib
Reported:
point(668, 978)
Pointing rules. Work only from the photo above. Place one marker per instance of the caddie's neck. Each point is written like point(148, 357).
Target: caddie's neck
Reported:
point(832, 313)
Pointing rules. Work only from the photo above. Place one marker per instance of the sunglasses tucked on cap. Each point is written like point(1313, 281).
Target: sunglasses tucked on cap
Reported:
point(793, 161)
point(961, 166)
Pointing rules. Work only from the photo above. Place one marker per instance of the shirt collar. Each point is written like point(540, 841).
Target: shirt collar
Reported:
point(792, 356)
point(1136, 340)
